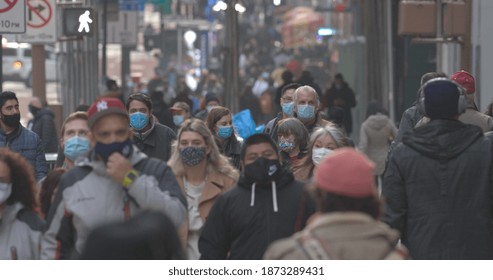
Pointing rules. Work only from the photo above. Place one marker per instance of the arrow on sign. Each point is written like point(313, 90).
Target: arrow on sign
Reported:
point(39, 8)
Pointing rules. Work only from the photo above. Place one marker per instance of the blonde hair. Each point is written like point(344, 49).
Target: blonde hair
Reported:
point(216, 162)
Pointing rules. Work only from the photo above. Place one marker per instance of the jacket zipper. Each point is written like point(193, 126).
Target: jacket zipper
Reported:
point(126, 208)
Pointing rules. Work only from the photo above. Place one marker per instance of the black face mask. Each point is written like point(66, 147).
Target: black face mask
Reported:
point(262, 170)
point(33, 110)
point(12, 120)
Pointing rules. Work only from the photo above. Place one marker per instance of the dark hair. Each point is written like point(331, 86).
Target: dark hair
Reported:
point(287, 76)
point(257, 139)
point(110, 83)
point(288, 87)
point(427, 77)
point(149, 235)
point(374, 108)
point(330, 202)
point(141, 98)
point(22, 176)
point(48, 188)
point(336, 115)
point(214, 116)
point(339, 76)
point(5, 96)
point(82, 108)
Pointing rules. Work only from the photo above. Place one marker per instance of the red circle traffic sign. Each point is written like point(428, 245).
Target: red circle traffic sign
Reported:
point(10, 5)
point(36, 16)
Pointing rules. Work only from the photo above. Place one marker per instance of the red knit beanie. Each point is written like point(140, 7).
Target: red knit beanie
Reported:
point(346, 172)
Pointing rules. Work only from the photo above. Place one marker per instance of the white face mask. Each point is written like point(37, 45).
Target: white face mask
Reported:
point(5, 191)
point(320, 153)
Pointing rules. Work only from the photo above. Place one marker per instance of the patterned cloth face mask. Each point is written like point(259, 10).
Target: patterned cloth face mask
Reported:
point(192, 156)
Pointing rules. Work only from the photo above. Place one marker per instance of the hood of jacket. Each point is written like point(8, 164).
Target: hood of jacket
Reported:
point(377, 122)
point(442, 139)
point(9, 213)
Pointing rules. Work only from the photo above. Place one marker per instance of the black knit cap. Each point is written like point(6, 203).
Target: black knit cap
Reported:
point(441, 98)
point(257, 139)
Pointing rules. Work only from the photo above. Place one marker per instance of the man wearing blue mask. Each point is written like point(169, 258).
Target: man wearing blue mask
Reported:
point(287, 106)
point(152, 138)
point(306, 108)
point(115, 182)
point(181, 113)
point(74, 142)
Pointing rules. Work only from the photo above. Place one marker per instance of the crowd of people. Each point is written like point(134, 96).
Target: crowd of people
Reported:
point(127, 186)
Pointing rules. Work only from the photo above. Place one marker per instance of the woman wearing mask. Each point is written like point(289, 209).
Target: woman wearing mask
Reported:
point(203, 174)
point(376, 134)
point(292, 138)
point(220, 123)
point(20, 227)
point(74, 141)
point(323, 141)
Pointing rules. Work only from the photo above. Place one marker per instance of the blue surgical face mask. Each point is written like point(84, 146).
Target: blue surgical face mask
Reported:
point(306, 112)
point(106, 150)
point(178, 119)
point(75, 147)
point(225, 131)
point(287, 108)
point(138, 120)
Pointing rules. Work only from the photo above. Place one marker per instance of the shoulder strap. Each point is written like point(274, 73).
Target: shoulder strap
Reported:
point(313, 247)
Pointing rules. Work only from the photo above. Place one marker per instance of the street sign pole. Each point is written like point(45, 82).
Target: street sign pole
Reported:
point(38, 75)
point(1, 65)
point(105, 37)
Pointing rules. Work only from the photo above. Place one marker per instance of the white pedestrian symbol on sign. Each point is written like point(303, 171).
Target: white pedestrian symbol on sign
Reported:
point(84, 21)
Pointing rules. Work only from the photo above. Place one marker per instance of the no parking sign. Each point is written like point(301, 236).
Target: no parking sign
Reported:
point(41, 22)
point(12, 16)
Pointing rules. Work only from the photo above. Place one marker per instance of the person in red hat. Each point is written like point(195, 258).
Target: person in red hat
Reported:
point(471, 115)
point(113, 183)
point(348, 226)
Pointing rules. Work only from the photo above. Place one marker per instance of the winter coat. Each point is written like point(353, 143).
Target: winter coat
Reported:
point(376, 134)
point(438, 188)
point(340, 236)
point(409, 119)
point(243, 221)
point(20, 233)
point(43, 124)
point(87, 198)
point(156, 142)
point(345, 99)
point(216, 184)
point(28, 145)
point(231, 148)
point(470, 116)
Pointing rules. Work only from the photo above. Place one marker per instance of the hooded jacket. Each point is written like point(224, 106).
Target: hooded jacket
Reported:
point(87, 198)
point(156, 142)
point(245, 220)
point(376, 133)
point(43, 124)
point(438, 191)
point(20, 233)
point(28, 145)
point(340, 236)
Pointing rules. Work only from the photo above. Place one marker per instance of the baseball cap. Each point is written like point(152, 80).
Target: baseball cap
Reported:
point(466, 80)
point(178, 106)
point(105, 106)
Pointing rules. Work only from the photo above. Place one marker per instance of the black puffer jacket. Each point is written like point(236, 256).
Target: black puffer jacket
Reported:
point(438, 191)
point(245, 231)
point(43, 124)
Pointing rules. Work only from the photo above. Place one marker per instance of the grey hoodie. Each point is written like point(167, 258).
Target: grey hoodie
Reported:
point(20, 233)
point(88, 197)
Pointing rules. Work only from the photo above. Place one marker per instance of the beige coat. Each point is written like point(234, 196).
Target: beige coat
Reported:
point(376, 134)
point(215, 185)
point(342, 235)
point(471, 116)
